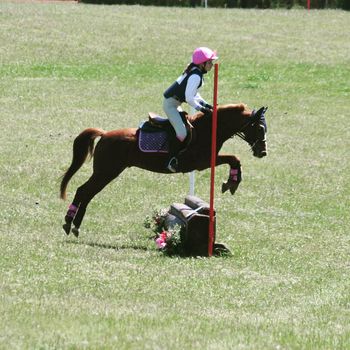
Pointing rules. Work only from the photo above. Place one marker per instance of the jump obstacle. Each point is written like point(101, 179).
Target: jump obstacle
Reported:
point(193, 218)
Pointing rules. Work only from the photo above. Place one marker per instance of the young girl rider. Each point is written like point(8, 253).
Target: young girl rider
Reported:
point(185, 89)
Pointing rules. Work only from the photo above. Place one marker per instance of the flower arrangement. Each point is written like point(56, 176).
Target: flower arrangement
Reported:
point(168, 240)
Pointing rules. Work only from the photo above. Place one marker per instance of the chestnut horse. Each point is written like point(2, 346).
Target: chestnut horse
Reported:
point(118, 149)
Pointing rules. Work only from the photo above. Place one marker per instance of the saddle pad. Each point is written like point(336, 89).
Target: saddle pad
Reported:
point(153, 141)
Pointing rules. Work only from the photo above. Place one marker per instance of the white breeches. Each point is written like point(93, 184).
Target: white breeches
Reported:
point(172, 107)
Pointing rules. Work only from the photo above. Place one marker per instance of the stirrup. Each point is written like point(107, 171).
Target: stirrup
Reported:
point(173, 165)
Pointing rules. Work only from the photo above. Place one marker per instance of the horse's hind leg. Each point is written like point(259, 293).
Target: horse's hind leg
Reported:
point(83, 196)
point(72, 210)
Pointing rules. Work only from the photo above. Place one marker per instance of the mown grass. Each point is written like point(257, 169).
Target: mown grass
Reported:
point(65, 67)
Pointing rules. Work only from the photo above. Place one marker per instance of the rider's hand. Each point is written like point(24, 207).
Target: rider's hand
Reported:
point(205, 110)
point(206, 105)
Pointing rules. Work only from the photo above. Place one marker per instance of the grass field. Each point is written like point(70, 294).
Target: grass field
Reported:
point(65, 67)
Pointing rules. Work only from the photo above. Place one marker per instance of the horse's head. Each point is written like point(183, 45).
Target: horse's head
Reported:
point(237, 119)
point(254, 132)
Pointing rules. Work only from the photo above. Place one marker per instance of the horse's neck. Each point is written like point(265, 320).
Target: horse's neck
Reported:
point(230, 119)
point(201, 122)
point(229, 122)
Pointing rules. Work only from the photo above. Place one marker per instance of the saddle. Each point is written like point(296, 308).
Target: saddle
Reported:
point(154, 133)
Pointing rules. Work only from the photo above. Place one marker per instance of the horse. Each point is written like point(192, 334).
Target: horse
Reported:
point(119, 149)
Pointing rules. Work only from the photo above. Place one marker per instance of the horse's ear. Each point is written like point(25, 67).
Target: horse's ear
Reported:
point(256, 115)
point(259, 116)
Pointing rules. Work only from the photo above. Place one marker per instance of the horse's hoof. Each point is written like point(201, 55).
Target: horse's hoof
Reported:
point(75, 231)
point(233, 189)
point(229, 185)
point(66, 228)
point(224, 187)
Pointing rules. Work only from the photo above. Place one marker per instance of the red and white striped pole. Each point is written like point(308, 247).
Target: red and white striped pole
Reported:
point(213, 162)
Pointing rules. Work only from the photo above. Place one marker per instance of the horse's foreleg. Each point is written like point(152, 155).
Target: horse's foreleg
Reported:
point(235, 174)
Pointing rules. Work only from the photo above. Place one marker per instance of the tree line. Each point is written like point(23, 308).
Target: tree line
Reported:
point(262, 4)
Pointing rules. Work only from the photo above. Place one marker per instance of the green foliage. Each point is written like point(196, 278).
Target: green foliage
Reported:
point(66, 67)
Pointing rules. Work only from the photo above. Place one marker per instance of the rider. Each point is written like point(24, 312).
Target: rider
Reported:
point(185, 89)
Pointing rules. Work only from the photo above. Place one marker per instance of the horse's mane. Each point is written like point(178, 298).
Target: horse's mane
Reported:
point(240, 107)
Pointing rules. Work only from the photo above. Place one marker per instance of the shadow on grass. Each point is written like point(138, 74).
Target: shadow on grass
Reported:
point(108, 246)
point(220, 250)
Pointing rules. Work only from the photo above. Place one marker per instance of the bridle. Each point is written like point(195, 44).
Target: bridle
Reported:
point(241, 134)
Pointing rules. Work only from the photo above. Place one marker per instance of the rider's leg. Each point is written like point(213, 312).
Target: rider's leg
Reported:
point(175, 146)
point(171, 108)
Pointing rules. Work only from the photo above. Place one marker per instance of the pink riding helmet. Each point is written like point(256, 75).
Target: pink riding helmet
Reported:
point(203, 54)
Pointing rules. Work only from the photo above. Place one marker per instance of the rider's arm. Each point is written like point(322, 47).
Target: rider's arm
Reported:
point(193, 98)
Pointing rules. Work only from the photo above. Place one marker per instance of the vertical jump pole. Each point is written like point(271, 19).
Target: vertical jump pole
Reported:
point(213, 161)
point(192, 176)
point(192, 179)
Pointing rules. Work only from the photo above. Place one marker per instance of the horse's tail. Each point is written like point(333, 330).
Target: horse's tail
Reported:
point(82, 147)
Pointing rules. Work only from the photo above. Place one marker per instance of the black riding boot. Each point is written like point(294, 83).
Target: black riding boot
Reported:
point(175, 146)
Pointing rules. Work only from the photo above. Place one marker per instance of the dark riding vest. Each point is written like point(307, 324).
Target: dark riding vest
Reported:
point(178, 88)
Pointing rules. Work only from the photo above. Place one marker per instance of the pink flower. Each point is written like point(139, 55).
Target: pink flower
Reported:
point(161, 240)
point(161, 244)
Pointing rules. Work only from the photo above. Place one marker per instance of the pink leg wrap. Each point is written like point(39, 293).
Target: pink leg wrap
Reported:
point(233, 174)
point(72, 209)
